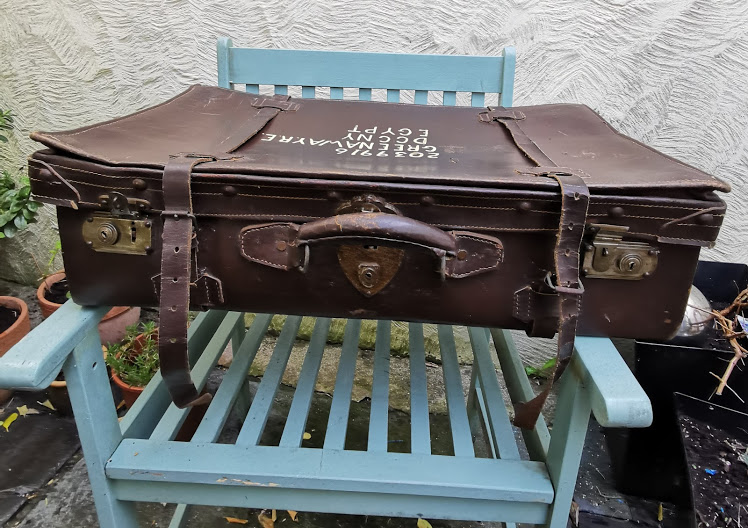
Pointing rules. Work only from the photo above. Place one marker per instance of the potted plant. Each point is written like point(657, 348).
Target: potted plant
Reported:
point(14, 324)
point(54, 291)
point(134, 361)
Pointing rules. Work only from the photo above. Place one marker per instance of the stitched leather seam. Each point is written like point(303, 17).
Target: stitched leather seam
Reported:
point(393, 203)
point(63, 167)
point(472, 272)
point(499, 256)
point(255, 259)
point(674, 238)
point(207, 291)
point(261, 195)
point(265, 215)
point(155, 286)
point(497, 228)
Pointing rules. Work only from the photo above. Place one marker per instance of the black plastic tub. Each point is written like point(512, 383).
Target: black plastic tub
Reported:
point(650, 462)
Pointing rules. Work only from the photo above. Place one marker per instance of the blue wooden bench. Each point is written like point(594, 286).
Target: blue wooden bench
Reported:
point(137, 460)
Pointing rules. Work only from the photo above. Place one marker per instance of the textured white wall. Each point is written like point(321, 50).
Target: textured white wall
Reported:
point(671, 73)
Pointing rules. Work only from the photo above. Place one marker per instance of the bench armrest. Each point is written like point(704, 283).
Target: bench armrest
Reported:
point(617, 398)
point(35, 361)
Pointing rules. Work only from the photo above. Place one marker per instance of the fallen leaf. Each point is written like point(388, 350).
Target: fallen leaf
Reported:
point(274, 516)
point(121, 404)
point(47, 404)
point(32, 411)
point(659, 513)
point(265, 521)
point(423, 523)
point(23, 410)
point(294, 515)
point(221, 480)
point(234, 520)
point(307, 436)
point(136, 453)
point(9, 420)
point(51, 481)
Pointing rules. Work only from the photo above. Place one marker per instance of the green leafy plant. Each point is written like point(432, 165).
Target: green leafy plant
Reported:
point(543, 371)
point(135, 359)
point(17, 209)
point(6, 123)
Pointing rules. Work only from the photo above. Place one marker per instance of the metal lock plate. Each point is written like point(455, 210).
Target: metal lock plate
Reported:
point(107, 234)
point(369, 268)
point(608, 256)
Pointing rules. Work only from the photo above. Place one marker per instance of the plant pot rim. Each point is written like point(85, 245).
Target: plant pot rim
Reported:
point(57, 276)
point(14, 303)
point(123, 385)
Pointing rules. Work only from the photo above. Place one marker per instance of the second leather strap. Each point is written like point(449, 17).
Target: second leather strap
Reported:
point(176, 274)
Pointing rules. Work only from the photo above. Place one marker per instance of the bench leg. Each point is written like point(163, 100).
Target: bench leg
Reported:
point(567, 442)
point(98, 427)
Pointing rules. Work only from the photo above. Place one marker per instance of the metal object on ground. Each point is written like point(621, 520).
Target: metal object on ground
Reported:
point(698, 315)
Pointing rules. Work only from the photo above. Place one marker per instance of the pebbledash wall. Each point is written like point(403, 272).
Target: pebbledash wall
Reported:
point(671, 73)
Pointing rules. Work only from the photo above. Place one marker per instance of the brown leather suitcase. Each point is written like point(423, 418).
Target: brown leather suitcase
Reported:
point(527, 217)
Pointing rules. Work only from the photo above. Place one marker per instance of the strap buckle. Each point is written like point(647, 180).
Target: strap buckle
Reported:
point(566, 290)
point(178, 215)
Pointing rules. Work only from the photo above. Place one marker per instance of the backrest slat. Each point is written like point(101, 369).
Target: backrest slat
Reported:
point(337, 70)
point(365, 70)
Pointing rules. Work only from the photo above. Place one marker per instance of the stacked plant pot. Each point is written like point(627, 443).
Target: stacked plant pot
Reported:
point(14, 324)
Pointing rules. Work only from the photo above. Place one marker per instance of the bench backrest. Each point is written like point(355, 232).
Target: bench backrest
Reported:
point(445, 74)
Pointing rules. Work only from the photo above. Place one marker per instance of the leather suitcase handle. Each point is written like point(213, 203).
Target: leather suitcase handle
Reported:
point(381, 228)
point(286, 246)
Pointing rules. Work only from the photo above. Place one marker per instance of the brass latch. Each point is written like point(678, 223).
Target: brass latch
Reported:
point(122, 230)
point(608, 256)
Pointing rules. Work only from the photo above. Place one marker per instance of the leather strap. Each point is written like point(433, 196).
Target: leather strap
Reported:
point(564, 282)
point(176, 266)
point(174, 303)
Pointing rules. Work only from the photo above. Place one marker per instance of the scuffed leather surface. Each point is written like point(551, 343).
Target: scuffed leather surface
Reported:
point(200, 119)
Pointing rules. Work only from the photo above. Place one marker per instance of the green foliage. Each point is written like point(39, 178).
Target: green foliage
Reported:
point(6, 123)
point(133, 365)
point(52, 255)
point(542, 371)
point(17, 209)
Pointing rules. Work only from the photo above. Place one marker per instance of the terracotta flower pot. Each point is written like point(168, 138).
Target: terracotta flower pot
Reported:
point(57, 392)
point(113, 325)
point(14, 333)
point(130, 393)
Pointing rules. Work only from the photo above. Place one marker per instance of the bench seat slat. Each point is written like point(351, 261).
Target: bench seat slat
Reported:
point(255, 422)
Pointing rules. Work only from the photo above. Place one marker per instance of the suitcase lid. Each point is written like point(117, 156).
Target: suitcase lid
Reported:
point(357, 140)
